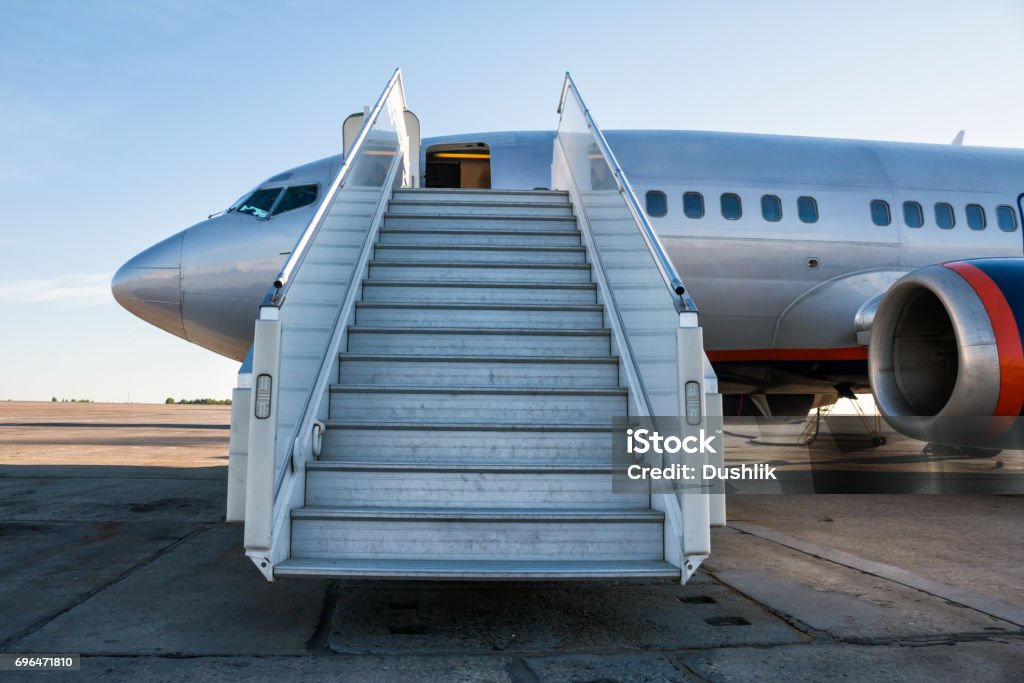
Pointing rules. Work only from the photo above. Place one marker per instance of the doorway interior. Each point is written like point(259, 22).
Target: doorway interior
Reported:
point(461, 165)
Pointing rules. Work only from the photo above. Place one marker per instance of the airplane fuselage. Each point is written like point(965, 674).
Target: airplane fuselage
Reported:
point(780, 240)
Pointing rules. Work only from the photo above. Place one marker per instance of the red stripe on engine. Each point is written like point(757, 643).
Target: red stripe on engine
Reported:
point(1008, 342)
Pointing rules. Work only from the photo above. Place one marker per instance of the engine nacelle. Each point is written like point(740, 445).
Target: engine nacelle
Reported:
point(945, 358)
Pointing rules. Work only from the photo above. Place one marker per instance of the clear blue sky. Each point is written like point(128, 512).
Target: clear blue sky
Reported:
point(124, 122)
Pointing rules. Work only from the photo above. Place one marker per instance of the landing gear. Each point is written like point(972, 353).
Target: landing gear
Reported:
point(872, 423)
point(813, 426)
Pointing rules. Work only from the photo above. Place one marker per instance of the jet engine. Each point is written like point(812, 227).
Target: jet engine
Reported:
point(945, 358)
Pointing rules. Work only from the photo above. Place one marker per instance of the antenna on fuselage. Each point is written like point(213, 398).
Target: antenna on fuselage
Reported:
point(958, 141)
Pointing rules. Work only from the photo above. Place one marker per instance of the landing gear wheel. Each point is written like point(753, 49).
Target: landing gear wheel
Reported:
point(877, 441)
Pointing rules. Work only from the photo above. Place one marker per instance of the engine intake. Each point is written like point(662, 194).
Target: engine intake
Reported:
point(945, 358)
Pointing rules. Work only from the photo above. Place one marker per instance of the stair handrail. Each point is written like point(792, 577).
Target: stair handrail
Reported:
point(673, 281)
point(278, 291)
point(307, 418)
point(277, 452)
point(670, 337)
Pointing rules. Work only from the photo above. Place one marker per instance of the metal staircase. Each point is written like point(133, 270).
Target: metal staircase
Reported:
point(435, 375)
point(469, 429)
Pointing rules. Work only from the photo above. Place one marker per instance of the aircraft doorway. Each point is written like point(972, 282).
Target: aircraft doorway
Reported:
point(465, 165)
point(1020, 212)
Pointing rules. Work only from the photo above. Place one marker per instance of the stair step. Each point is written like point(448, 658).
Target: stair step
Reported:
point(456, 341)
point(476, 534)
point(475, 222)
point(499, 208)
point(484, 196)
point(495, 371)
point(441, 486)
point(440, 291)
point(474, 514)
point(355, 466)
point(419, 253)
point(546, 316)
point(481, 272)
point(481, 569)
point(491, 236)
point(468, 443)
point(471, 428)
point(483, 404)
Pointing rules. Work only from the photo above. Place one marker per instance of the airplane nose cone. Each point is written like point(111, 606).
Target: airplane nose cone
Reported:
point(149, 285)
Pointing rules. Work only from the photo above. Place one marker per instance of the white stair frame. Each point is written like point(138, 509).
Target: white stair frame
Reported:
point(270, 497)
point(274, 487)
point(689, 514)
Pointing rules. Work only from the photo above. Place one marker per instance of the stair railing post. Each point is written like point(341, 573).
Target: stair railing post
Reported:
point(693, 421)
point(263, 406)
point(716, 425)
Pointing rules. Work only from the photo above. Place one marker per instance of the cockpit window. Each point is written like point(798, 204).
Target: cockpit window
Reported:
point(296, 197)
point(259, 202)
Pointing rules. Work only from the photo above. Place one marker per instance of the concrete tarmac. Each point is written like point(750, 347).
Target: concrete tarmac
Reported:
point(113, 546)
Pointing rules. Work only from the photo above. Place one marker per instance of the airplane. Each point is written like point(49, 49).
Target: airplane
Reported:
point(824, 268)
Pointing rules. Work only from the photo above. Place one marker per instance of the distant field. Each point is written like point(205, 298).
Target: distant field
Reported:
point(46, 433)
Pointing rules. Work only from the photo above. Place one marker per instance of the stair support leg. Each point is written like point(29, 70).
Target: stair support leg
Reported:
point(259, 484)
point(693, 501)
point(238, 454)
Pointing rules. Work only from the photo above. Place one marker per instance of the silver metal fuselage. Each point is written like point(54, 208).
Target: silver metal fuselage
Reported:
point(767, 291)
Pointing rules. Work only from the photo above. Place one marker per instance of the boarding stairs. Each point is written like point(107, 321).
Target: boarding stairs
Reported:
point(469, 428)
point(433, 398)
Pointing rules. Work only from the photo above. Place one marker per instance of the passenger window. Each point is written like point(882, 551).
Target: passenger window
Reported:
point(771, 208)
point(296, 197)
point(880, 213)
point(657, 204)
point(259, 202)
point(975, 217)
point(807, 209)
point(693, 205)
point(732, 208)
point(913, 214)
point(1007, 218)
point(944, 216)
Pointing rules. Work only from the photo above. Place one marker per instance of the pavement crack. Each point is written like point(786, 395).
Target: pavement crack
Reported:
point(14, 639)
point(519, 671)
point(319, 642)
point(794, 623)
point(676, 660)
point(990, 607)
point(938, 639)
